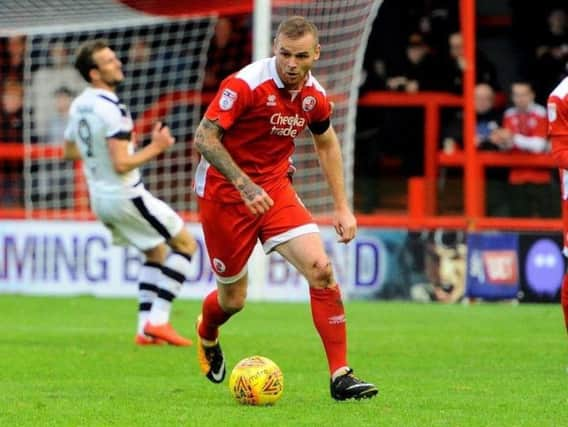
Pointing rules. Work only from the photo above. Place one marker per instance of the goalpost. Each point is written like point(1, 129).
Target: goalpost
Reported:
point(164, 60)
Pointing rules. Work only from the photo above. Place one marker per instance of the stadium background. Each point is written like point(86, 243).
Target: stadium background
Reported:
point(422, 244)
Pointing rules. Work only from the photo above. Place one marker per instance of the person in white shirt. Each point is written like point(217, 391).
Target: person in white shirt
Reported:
point(100, 133)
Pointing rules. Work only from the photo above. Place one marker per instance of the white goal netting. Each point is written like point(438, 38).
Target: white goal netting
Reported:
point(344, 28)
point(164, 62)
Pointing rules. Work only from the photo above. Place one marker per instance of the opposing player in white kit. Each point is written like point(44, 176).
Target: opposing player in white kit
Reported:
point(100, 132)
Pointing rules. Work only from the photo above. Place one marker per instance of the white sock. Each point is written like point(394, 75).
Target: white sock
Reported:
point(174, 272)
point(338, 372)
point(142, 319)
point(148, 278)
point(160, 313)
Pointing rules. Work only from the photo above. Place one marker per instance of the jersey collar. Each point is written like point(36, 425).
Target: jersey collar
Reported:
point(106, 93)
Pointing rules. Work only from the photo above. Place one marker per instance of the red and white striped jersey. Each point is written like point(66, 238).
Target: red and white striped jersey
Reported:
point(260, 119)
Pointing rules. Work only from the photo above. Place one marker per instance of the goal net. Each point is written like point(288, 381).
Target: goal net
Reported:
point(344, 28)
point(164, 60)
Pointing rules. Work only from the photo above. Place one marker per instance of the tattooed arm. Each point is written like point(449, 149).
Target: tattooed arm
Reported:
point(208, 141)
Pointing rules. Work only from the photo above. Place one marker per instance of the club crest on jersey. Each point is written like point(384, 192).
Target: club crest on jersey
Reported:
point(308, 103)
point(219, 265)
point(551, 111)
point(228, 98)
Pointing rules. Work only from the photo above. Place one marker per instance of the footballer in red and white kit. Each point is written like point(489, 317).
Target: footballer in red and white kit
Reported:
point(557, 107)
point(261, 142)
point(245, 194)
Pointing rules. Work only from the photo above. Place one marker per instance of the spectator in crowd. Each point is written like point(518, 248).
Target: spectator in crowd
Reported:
point(11, 129)
point(12, 59)
point(455, 66)
point(554, 41)
point(489, 136)
point(45, 81)
point(492, 137)
point(11, 125)
point(419, 70)
point(51, 178)
point(532, 190)
point(141, 67)
point(436, 22)
point(551, 54)
point(229, 51)
point(404, 127)
point(58, 118)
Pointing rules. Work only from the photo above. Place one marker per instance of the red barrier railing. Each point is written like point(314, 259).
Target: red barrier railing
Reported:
point(432, 102)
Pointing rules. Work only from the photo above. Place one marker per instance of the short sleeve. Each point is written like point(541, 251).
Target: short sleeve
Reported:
point(231, 100)
point(116, 120)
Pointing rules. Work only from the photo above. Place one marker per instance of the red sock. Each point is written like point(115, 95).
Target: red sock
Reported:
point(564, 299)
point(213, 316)
point(329, 320)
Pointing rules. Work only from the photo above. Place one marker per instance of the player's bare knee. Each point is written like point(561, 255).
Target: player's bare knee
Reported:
point(320, 274)
point(233, 304)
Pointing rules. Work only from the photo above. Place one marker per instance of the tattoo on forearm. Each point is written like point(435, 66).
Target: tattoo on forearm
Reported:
point(208, 141)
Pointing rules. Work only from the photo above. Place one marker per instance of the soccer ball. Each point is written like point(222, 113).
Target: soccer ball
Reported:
point(256, 380)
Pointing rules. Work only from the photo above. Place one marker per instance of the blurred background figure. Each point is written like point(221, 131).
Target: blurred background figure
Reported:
point(229, 51)
point(454, 67)
point(12, 58)
point(489, 136)
point(141, 66)
point(11, 125)
point(57, 121)
point(11, 130)
point(532, 190)
point(52, 178)
point(46, 81)
point(403, 128)
point(419, 70)
point(492, 137)
point(551, 54)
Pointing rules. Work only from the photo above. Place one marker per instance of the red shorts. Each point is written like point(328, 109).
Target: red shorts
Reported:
point(231, 231)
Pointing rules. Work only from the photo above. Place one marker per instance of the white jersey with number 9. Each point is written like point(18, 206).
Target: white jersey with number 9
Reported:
point(96, 115)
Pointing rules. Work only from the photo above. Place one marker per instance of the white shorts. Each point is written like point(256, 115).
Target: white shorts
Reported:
point(143, 221)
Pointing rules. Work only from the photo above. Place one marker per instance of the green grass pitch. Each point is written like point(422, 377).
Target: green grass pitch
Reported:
point(72, 362)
